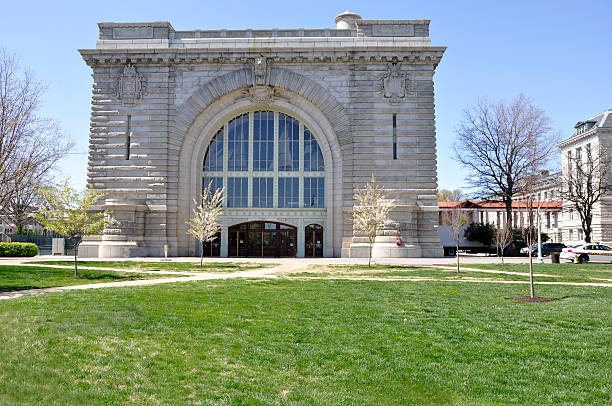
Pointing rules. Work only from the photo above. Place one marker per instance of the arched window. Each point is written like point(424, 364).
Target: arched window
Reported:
point(270, 160)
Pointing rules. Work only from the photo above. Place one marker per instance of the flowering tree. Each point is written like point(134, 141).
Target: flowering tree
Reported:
point(371, 212)
point(203, 225)
point(72, 214)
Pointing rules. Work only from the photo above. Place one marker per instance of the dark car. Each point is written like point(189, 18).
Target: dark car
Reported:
point(547, 249)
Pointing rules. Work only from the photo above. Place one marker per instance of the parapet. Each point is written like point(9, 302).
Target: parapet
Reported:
point(348, 25)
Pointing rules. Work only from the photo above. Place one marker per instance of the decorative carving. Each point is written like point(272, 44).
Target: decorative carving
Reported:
point(395, 84)
point(130, 86)
point(261, 68)
point(260, 91)
point(261, 94)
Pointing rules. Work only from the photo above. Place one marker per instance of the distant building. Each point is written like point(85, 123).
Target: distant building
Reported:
point(495, 213)
point(546, 188)
point(588, 137)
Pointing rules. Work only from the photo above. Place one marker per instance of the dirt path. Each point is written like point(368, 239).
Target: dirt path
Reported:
point(426, 279)
point(284, 269)
point(200, 276)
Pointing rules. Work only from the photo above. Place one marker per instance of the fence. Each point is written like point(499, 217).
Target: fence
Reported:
point(43, 242)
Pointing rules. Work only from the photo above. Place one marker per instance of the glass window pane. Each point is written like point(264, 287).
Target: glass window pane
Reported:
point(237, 192)
point(313, 158)
point(263, 192)
point(238, 144)
point(288, 143)
point(314, 192)
point(215, 182)
point(263, 140)
point(213, 161)
point(288, 196)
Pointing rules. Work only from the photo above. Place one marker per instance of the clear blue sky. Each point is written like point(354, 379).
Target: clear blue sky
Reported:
point(556, 52)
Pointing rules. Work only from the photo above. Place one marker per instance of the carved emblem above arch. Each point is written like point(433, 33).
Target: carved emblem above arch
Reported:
point(261, 84)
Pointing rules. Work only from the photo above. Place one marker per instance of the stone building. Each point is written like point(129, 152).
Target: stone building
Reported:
point(491, 212)
point(289, 121)
point(591, 139)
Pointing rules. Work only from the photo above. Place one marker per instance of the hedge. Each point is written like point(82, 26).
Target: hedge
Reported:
point(18, 249)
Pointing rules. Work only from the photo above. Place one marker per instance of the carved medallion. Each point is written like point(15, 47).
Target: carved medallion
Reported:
point(130, 86)
point(261, 94)
point(394, 84)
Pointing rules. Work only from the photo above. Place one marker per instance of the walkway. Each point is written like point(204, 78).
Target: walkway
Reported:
point(284, 268)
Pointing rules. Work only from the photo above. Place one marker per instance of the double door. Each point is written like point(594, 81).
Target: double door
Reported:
point(262, 239)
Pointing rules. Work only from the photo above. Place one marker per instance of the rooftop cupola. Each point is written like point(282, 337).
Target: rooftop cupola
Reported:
point(346, 20)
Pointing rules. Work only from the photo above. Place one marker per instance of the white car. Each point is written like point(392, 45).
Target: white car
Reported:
point(582, 253)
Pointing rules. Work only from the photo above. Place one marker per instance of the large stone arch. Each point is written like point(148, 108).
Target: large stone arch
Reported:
point(223, 98)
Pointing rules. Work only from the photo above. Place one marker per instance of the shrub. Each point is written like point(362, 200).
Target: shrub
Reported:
point(480, 232)
point(18, 249)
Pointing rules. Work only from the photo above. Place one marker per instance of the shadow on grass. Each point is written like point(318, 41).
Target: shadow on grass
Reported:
point(4, 289)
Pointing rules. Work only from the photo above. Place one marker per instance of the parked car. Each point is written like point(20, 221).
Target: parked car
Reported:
point(591, 252)
point(547, 249)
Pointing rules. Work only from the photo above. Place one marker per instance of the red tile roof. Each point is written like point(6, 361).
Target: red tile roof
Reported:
point(468, 204)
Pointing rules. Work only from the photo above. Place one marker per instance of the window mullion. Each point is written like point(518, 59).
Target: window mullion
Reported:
point(250, 156)
point(275, 162)
point(224, 163)
point(301, 166)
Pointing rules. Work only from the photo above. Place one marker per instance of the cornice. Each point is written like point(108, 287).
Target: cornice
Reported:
point(575, 138)
point(410, 55)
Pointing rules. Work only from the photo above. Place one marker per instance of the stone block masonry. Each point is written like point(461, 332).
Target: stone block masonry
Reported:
point(161, 95)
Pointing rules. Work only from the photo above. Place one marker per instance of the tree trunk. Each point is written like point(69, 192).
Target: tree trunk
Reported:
point(76, 253)
point(370, 255)
point(531, 287)
point(508, 204)
point(202, 254)
point(457, 255)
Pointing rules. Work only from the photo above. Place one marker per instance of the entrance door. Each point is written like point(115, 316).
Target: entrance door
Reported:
point(313, 241)
point(262, 239)
point(237, 237)
point(212, 248)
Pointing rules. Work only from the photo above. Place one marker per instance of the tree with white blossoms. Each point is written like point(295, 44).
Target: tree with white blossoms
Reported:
point(371, 212)
point(203, 225)
point(72, 214)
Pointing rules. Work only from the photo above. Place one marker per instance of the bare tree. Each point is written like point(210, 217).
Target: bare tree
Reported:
point(584, 182)
point(496, 143)
point(446, 195)
point(24, 198)
point(458, 221)
point(203, 225)
point(503, 238)
point(30, 145)
point(371, 212)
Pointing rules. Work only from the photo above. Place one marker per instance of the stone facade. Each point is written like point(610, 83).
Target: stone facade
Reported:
point(594, 134)
point(160, 96)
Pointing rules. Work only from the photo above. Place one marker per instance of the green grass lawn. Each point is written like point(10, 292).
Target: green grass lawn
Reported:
point(34, 277)
point(220, 267)
point(314, 342)
point(592, 270)
point(399, 271)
